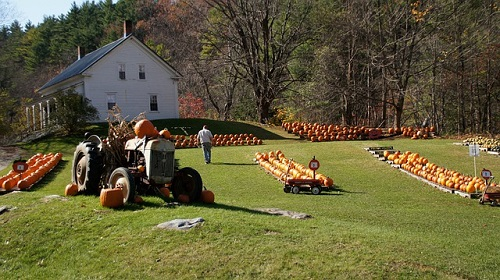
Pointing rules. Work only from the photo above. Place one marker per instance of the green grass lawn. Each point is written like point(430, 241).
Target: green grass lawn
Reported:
point(379, 223)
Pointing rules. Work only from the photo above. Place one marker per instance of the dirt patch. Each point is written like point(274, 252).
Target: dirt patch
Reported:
point(8, 154)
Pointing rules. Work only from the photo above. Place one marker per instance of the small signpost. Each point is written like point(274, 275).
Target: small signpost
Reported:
point(314, 165)
point(474, 152)
point(19, 166)
point(486, 174)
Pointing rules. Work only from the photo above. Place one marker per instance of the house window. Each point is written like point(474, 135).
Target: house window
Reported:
point(121, 71)
point(142, 72)
point(153, 103)
point(111, 100)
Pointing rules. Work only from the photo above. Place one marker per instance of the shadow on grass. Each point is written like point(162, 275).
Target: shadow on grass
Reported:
point(232, 208)
point(340, 190)
point(173, 204)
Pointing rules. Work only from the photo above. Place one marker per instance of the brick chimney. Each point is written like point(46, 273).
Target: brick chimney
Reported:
point(81, 52)
point(127, 28)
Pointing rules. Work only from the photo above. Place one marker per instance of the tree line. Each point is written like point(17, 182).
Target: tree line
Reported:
point(351, 62)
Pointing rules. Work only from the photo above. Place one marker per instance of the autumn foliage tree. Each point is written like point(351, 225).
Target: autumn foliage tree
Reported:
point(191, 107)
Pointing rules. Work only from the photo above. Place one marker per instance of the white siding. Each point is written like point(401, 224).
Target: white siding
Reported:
point(132, 94)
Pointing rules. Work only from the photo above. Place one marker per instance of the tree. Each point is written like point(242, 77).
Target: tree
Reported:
point(191, 106)
point(73, 112)
point(7, 12)
point(259, 39)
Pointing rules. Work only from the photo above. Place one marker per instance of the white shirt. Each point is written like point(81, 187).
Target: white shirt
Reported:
point(205, 136)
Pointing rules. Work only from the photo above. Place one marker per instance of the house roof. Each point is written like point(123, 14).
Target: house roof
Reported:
point(79, 66)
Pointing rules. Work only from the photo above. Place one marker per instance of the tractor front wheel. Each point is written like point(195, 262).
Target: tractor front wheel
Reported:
point(123, 179)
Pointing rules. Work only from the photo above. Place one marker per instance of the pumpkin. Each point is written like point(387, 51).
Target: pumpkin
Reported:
point(138, 199)
point(145, 128)
point(165, 133)
point(165, 192)
point(71, 189)
point(111, 198)
point(9, 184)
point(23, 184)
point(207, 196)
point(328, 182)
point(184, 198)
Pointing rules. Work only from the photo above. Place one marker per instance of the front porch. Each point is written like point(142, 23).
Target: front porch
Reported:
point(38, 114)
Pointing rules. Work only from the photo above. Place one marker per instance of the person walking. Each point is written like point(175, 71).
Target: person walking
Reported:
point(205, 138)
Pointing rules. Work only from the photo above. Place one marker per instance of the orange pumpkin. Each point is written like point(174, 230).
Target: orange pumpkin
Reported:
point(165, 133)
point(138, 199)
point(71, 189)
point(184, 198)
point(23, 184)
point(111, 198)
point(145, 128)
point(207, 196)
point(165, 192)
point(328, 182)
point(10, 184)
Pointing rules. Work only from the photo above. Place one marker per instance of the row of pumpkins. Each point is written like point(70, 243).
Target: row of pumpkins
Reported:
point(282, 168)
point(191, 141)
point(420, 166)
point(146, 128)
point(113, 198)
point(484, 142)
point(414, 132)
point(37, 167)
point(329, 132)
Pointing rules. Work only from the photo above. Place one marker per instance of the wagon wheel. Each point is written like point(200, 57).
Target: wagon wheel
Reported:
point(86, 168)
point(187, 181)
point(316, 190)
point(122, 178)
point(295, 189)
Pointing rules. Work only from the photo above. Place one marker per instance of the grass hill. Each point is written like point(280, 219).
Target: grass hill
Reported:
point(378, 224)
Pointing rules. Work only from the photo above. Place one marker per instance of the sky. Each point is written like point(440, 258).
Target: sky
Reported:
point(35, 10)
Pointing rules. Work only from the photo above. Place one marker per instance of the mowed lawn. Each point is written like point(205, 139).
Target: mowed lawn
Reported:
point(378, 223)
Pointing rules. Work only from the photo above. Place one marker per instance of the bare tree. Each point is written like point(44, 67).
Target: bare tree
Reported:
point(7, 12)
point(401, 29)
point(262, 36)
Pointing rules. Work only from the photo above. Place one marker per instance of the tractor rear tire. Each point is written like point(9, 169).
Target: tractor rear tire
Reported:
point(122, 178)
point(86, 168)
point(187, 181)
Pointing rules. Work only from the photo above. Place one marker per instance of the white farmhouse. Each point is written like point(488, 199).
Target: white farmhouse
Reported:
point(125, 73)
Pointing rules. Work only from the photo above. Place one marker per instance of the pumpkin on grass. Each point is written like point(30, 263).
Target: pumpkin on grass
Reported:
point(207, 196)
point(71, 189)
point(111, 198)
point(165, 192)
point(138, 199)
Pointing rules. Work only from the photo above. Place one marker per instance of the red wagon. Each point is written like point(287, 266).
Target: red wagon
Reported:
point(311, 185)
point(487, 195)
